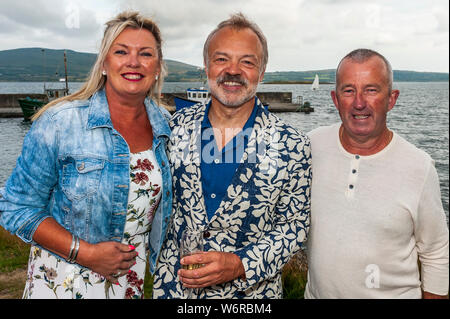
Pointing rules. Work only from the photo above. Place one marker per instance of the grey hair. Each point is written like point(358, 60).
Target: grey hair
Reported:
point(362, 55)
point(238, 21)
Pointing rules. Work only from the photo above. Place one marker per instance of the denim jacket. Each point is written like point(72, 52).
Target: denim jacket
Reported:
point(74, 167)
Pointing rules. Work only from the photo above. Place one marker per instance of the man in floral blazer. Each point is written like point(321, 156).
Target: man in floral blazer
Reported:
point(241, 177)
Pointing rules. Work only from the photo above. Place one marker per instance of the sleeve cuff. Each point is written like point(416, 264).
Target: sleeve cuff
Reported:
point(436, 282)
point(242, 284)
point(26, 232)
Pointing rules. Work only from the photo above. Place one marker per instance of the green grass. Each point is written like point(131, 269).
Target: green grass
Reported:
point(148, 284)
point(13, 252)
point(293, 284)
point(13, 263)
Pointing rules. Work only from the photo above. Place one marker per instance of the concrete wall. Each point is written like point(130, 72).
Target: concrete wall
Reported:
point(272, 97)
point(265, 97)
point(10, 100)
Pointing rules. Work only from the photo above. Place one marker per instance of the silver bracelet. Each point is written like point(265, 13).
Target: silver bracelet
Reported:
point(74, 247)
point(75, 252)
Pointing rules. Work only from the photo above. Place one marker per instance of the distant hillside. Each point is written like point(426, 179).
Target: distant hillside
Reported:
point(328, 76)
point(182, 72)
point(412, 76)
point(36, 64)
point(325, 76)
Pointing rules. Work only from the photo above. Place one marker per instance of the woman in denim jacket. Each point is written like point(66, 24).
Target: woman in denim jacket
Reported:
point(92, 188)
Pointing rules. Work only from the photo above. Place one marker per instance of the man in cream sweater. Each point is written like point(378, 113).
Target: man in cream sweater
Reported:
point(378, 229)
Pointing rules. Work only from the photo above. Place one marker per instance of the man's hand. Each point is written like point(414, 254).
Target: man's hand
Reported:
point(219, 267)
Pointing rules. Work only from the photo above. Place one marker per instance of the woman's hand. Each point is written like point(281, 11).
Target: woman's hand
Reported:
point(109, 259)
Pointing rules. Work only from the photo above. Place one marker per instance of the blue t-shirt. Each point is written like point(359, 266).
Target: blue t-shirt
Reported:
point(218, 167)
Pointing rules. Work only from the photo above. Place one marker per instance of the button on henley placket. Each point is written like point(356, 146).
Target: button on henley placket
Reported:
point(353, 177)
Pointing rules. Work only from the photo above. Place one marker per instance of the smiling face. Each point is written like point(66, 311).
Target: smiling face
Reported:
point(132, 64)
point(363, 98)
point(234, 67)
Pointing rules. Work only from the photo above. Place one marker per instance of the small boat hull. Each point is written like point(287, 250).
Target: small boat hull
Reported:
point(29, 107)
point(181, 103)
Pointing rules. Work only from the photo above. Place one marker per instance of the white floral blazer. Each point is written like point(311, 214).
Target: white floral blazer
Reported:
point(264, 217)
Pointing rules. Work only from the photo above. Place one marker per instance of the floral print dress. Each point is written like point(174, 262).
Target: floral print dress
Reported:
point(50, 277)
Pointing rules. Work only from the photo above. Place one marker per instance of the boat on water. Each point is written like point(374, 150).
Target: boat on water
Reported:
point(315, 84)
point(272, 101)
point(30, 106)
point(193, 96)
point(306, 108)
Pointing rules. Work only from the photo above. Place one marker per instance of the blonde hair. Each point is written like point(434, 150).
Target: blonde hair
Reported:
point(96, 81)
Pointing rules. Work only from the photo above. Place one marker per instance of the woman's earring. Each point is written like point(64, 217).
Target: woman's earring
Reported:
point(104, 72)
point(156, 77)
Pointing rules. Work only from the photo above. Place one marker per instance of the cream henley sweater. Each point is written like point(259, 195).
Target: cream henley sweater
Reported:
point(372, 217)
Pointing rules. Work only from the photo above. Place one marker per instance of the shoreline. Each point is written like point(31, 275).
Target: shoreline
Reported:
point(294, 82)
point(16, 112)
point(276, 102)
point(10, 112)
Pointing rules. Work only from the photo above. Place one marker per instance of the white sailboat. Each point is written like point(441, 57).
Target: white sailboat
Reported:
point(315, 84)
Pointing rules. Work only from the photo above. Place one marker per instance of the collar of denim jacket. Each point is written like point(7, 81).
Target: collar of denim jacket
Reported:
point(99, 111)
point(99, 115)
point(157, 119)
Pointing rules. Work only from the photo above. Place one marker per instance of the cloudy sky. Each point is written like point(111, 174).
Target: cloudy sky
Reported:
point(302, 34)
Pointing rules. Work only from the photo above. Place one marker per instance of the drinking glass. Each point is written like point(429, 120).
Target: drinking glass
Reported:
point(190, 244)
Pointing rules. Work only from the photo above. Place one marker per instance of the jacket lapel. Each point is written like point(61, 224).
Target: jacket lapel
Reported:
point(256, 150)
point(195, 144)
